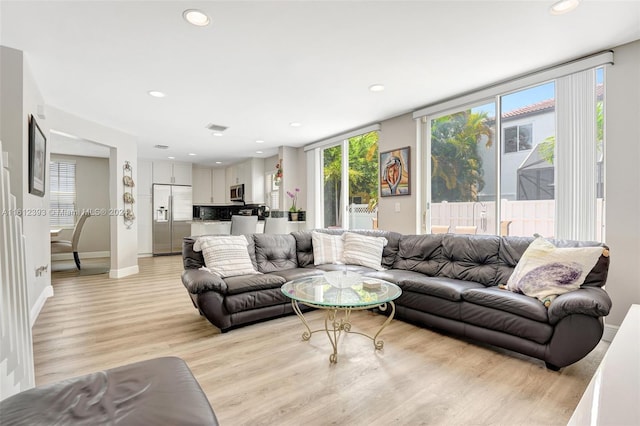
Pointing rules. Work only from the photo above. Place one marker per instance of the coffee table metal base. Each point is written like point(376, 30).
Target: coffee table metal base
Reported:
point(335, 324)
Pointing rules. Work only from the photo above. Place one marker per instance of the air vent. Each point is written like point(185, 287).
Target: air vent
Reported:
point(216, 128)
point(161, 146)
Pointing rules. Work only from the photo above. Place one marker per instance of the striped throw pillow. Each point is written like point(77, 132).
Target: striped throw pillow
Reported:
point(327, 248)
point(226, 256)
point(364, 250)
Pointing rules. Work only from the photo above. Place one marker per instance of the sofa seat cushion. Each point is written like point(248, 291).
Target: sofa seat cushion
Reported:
point(295, 273)
point(247, 283)
point(504, 300)
point(430, 305)
point(395, 275)
point(445, 288)
point(235, 303)
point(505, 322)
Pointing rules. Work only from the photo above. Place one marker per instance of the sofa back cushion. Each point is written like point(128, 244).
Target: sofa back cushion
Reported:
point(420, 253)
point(470, 258)
point(275, 252)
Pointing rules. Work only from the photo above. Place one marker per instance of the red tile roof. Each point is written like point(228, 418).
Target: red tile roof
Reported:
point(546, 105)
point(541, 106)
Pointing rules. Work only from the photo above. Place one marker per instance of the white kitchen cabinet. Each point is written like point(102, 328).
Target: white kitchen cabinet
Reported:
point(172, 173)
point(251, 174)
point(202, 185)
point(209, 185)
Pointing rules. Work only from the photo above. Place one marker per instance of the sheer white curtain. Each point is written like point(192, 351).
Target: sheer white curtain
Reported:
point(576, 156)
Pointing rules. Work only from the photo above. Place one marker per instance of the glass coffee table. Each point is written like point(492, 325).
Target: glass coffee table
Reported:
point(339, 293)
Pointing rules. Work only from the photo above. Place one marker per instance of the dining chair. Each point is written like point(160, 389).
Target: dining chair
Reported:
point(243, 225)
point(275, 225)
point(466, 230)
point(66, 246)
point(440, 229)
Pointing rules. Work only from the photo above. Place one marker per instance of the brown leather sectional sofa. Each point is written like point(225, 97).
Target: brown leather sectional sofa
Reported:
point(449, 282)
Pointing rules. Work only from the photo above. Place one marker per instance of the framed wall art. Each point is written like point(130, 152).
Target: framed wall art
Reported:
point(37, 158)
point(395, 172)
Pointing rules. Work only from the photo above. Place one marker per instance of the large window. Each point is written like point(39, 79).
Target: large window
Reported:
point(496, 167)
point(62, 193)
point(350, 182)
point(462, 166)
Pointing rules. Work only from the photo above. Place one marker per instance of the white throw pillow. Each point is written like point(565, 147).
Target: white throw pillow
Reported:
point(226, 256)
point(546, 271)
point(364, 250)
point(327, 248)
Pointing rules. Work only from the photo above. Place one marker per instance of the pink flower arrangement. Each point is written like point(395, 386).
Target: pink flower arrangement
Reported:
point(294, 199)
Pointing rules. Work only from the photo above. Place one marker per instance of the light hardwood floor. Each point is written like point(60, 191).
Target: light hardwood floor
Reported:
point(264, 374)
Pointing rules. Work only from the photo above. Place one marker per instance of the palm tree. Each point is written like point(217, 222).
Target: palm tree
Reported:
point(456, 173)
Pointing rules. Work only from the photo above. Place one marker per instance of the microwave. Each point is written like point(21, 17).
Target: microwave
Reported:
point(236, 192)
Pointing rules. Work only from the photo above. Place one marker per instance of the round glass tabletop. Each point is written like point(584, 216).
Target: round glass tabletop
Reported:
point(340, 289)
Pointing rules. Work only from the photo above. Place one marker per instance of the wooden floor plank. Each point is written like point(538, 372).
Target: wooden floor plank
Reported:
point(264, 374)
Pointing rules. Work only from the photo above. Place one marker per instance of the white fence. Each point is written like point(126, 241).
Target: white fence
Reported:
point(521, 218)
point(360, 217)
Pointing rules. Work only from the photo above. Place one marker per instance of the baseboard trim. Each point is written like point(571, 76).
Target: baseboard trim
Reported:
point(83, 255)
point(145, 255)
point(609, 332)
point(47, 292)
point(124, 272)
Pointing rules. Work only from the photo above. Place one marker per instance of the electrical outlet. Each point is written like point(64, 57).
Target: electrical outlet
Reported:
point(397, 207)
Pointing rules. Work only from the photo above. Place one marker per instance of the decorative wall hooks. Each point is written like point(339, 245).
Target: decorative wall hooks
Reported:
point(127, 181)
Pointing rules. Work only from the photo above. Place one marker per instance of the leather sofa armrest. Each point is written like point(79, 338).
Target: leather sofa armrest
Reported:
point(591, 301)
point(198, 281)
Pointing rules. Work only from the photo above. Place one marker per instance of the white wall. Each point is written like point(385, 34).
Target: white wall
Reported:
point(20, 98)
point(622, 178)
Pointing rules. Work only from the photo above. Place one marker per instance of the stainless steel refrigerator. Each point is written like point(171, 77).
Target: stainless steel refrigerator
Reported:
point(172, 214)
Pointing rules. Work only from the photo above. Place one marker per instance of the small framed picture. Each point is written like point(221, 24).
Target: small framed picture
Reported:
point(395, 172)
point(37, 158)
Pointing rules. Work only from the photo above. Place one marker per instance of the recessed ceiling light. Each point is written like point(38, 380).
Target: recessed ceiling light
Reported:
point(563, 6)
point(295, 124)
point(192, 154)
point(196, 17)
point(218, 162)
point(171, 158)
point(376, 87)
point(156, 93)
point(258, 152)
point(259, 141)
point(217, 133)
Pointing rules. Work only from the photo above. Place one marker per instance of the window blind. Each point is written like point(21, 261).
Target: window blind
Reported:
point(62, 199)
point(576, 157)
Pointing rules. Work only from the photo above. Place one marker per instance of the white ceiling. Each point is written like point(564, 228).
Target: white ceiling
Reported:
point(260, 65)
